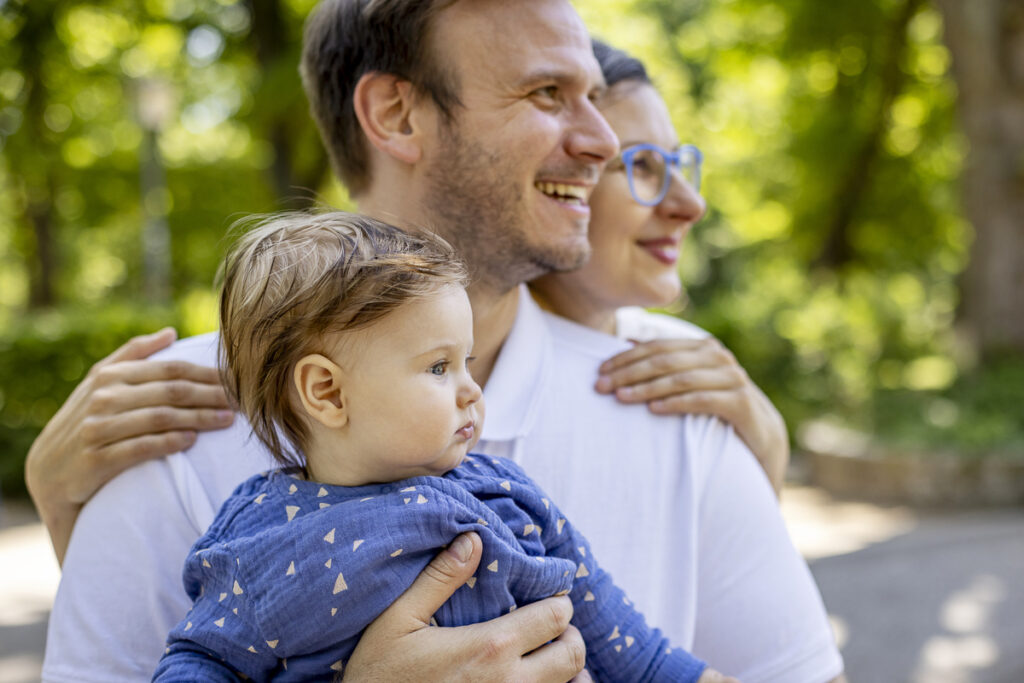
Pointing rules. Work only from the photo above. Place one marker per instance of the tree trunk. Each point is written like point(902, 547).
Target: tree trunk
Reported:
point(292, 184)
point(837, 249)
point(986, 39)
point(38, 177)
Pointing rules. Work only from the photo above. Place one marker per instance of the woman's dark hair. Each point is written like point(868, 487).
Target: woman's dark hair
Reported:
point(617, 66)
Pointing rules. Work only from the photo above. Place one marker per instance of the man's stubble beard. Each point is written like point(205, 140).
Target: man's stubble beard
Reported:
point(472, 203)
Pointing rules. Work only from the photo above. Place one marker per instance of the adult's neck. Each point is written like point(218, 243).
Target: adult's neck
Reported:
point(561, 294)
point(494, 314)
point(494, 306)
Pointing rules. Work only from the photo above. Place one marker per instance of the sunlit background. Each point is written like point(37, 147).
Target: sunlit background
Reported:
point(863, 254)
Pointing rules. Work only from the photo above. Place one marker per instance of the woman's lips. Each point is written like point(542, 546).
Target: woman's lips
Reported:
point(662, 249)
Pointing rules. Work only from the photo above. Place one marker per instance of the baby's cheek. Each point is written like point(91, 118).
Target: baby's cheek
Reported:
point(479, 430)
point(481, 412)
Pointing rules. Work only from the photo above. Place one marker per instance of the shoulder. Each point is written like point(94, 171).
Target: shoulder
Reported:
point(633, 322)
point(200, 349)
point(572, 339)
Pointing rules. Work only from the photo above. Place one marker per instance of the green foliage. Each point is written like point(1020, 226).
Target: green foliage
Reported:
point(84, 85)
point(43, 356)
point(979, 415)
point(829, 259)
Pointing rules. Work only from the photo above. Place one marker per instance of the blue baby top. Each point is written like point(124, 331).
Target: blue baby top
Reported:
point(291, 571)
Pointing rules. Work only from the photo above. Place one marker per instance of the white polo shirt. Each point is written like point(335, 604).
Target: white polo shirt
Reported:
point(675, 508)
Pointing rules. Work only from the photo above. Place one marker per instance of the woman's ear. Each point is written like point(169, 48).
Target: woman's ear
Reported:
point(387, 109)
point(318, 380)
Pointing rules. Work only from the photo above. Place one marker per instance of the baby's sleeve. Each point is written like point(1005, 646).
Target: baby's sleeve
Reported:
point(219, 637)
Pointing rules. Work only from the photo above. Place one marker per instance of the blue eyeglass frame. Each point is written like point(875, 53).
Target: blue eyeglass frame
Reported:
point(689, 154)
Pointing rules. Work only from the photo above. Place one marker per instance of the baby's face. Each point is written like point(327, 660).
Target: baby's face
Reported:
point(412, 404)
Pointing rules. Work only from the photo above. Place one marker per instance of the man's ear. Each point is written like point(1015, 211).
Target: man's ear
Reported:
point(318, 380)
point(387, 109)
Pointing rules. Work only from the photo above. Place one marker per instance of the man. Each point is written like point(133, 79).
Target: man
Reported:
point(476, 119)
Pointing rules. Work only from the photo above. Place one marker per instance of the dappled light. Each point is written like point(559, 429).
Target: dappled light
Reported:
point(862, 253)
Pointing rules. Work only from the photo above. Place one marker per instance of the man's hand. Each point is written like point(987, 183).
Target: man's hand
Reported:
point(712, 676)
point(679, 376)
point(125, 411)
point(402, 645)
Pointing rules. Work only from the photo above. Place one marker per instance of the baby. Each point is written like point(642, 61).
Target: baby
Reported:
point(345, 343)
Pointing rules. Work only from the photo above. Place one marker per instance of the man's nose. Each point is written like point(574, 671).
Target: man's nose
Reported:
point(592, 139)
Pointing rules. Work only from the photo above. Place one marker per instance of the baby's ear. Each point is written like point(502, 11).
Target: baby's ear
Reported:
point(318, 380)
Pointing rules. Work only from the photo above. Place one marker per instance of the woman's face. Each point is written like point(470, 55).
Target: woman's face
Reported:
point(635, 248)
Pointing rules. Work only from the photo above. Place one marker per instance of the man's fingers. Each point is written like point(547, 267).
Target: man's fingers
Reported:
point(142, 346)
point(560, 660)
point(533, 625)
point(107, 429)
point(445, 574)
point(712, 676)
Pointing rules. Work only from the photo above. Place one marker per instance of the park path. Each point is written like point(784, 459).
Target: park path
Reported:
point(914, 597)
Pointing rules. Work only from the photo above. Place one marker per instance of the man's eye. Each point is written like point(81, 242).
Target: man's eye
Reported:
point(548, 92)
point(439, 368)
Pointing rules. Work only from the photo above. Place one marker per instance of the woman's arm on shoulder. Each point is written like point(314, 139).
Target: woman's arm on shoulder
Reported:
point(677, 376)
point(127, 410)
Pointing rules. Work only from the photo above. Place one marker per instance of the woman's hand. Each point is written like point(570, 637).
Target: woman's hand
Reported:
point(679, 376)
point(126, 410)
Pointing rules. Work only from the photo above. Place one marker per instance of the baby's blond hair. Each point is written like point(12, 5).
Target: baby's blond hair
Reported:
point(291, 279)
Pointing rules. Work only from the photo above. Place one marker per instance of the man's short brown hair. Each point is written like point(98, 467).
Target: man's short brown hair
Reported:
point(293, 278)
point(345, 39)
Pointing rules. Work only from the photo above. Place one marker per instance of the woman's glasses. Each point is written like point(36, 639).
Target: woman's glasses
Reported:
point(649, 170)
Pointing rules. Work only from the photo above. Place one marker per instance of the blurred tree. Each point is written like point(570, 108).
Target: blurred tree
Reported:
point(854, 182)
point(829, 258)
point(830, 262)
point(986, 38)
point(300, 164)
point(91, 175)
point(31, 153)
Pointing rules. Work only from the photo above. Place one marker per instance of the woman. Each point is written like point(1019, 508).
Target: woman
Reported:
point(641, 210)
point(94, 437)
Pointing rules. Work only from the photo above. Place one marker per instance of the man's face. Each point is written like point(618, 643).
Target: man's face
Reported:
point(508, 181)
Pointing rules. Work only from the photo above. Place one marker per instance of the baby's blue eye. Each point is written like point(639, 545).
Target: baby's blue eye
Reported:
point(439, 368)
